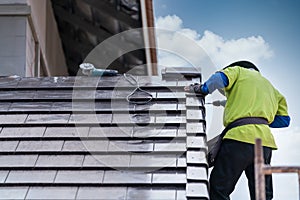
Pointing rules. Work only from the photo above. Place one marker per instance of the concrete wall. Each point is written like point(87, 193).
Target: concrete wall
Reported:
point(13, 1)
point(18, 55)
point(48, 35)
point(12, 46)
point(31, 69)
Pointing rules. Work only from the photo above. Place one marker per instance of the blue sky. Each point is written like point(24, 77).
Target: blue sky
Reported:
point(269, 30)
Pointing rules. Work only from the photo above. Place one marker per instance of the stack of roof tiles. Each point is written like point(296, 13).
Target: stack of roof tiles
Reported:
point(78, 138)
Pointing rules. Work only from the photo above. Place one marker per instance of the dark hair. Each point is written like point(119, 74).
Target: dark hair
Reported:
point(245, 64)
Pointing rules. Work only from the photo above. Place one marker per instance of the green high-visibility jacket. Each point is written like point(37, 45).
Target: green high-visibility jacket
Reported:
point(249, 94)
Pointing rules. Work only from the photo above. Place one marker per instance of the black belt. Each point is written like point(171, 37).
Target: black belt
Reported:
point(215, 143)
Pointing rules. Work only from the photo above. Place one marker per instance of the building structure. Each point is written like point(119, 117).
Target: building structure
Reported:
point(52, 37)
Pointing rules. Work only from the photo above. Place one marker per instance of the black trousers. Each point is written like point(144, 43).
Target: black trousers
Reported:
point(234, 158)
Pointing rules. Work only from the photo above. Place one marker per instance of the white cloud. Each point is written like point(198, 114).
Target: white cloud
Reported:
point(212, 48)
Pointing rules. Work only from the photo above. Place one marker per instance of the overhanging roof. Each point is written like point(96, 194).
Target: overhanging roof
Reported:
point(84, 24)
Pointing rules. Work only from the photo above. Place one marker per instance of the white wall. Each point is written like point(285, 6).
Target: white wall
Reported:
point(13, 1)
point(12, 46)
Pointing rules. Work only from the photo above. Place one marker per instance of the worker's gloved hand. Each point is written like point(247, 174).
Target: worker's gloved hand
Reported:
point(196, 87)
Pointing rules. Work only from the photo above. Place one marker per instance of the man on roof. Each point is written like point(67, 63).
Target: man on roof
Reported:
point(249, 96)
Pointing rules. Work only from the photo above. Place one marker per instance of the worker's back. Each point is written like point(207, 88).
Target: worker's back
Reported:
point(249, 94)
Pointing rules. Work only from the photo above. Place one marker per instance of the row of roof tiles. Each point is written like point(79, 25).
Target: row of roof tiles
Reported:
point(152, 151)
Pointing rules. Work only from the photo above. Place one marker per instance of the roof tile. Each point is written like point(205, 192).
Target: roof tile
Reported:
point(126, 177)
point(59, 160)
point(22, 132)
point(47, 119)
point(17, 160)
point(3, 175)
point(169, 178)
point(66, 132)
point(51, 193)
point(107, 160)
point(79, 176)
point(43, 145)
point(127, 146)
point(13, 192)
point(107, 193)
point(90, 118)
point(147, 194)
point(86, 145)
point(8, 145)
point(12, 119)
point(44, 176)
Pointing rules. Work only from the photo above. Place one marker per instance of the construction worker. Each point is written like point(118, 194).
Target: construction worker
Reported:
point(249, 96)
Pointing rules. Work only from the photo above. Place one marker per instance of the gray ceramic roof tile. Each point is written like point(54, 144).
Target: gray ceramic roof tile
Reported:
point(180, 195)
point(4, 106)
point(59, 160)
point(181, 162)
point(194, 101)
point(74, 146)
point(91, 118)
point(126, 177)
point(107, 160)
point(51, 193)
point(196, 142)
point(73, 106)
point(181, 133)
point(194, 128)
point(102, 193)
point(146, 194)
point(155, 81)
point(197, 173)
point(77, 176)
point(28, 82)
point(42, 145)
point(47, 119)
point(157, 107)
point(198, 190)
point(149, 160)
point(30, 106)
point(53, 94)
point(8, 145)
point(145, 132)
point(134, 145)
point(181, 107)
point(44, 176)
point(16, 95)
point(170, 119)
point(13, 119)
point(17, 160)
point(22, 132)
point(110, 131)
point(3, 175)
point(86, 145)
point(196, 157)
point(66, 132)
point(132, 118)
point(171, 95)
point(169, 178)
point(170, 146)
point(13, 193)
point(194, 115)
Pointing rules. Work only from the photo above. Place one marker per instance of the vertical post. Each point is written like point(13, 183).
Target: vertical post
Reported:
point(260, 193)
point(299, 182)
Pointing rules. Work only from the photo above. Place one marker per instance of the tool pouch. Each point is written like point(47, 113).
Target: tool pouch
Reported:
point(214, 144)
